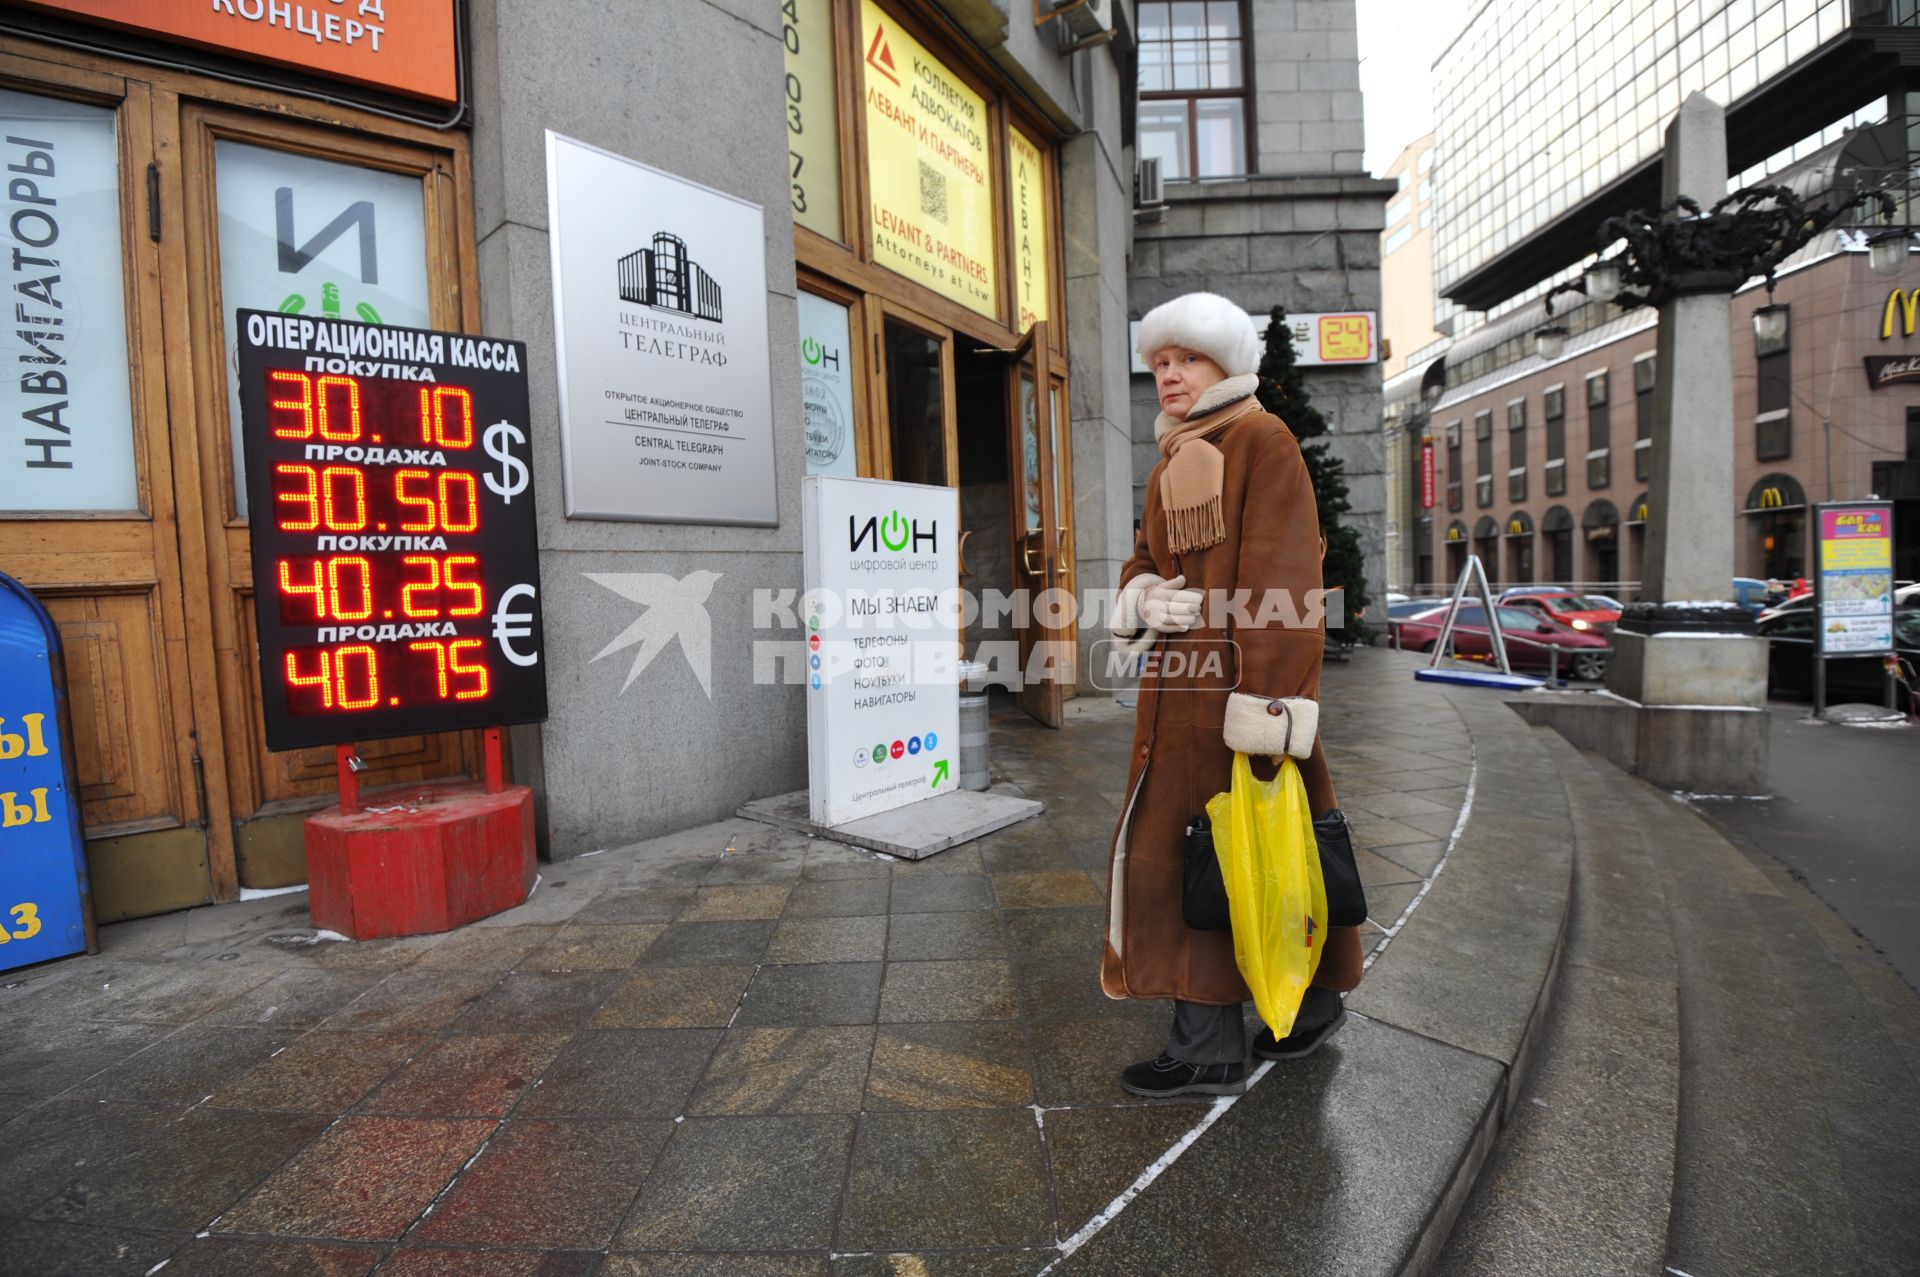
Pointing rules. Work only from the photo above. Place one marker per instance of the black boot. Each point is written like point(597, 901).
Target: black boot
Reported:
point(1321, 1013)
point(1166, 1076)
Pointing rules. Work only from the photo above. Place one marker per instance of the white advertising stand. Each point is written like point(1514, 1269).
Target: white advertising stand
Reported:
point(882, 614)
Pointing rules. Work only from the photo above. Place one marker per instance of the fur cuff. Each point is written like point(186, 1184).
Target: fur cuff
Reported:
point(1127, 620)
point(1258, 725)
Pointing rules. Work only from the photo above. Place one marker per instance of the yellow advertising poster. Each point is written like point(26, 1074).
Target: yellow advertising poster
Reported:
point(927, 168)
point(1027, 175)
point(813, 142)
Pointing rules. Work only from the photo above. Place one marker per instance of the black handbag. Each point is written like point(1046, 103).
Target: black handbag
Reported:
point(1203, 898)
point(1346, 902)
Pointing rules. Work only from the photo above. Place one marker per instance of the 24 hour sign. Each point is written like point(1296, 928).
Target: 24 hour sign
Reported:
point(395, 572)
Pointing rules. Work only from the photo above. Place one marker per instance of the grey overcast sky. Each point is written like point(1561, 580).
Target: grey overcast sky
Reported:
point(1399, 39)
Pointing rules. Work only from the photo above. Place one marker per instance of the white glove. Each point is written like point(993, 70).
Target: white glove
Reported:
point(1169, 609)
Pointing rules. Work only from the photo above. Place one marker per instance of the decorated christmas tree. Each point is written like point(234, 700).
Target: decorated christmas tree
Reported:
point(1283, 392)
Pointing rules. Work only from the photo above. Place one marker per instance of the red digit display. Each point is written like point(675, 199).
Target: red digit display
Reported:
point(396, 577)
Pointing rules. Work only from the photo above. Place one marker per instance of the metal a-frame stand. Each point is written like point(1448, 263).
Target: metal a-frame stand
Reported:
point(1476, 575)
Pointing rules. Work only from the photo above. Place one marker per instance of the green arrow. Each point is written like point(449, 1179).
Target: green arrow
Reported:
point(939, 772)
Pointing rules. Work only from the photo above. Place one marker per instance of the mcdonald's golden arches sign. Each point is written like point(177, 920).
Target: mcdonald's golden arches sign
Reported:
point(1906, 302)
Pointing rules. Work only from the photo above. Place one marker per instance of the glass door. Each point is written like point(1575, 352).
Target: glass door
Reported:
point(88, 479)
point(307, 220)
point(1045, 625)
point(916, 398)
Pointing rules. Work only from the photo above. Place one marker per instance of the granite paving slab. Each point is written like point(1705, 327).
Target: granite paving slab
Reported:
point(675, 998)
point(326, 1071)
point(946, 1179)
point(924, 937)
point(965, 1064)
point(622, 1074)
point(743, 1184)
point(468, 1075)
point(366, 1178)
point(759, 1071)
point(232, 1257)
point(553, 1184)
point(810, 939)
point(593, 947)
point(36, 1246)
point(433, 1261)
point(690, 944)
point(49, 1056)
point(187, 1066)
point(957, 990)
point(180, 1182)
point(819, 993)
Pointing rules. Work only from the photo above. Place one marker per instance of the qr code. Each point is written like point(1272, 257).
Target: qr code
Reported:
point(933, 193)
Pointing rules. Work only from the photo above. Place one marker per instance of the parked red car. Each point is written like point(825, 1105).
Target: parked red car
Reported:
point(1530, 639)
point(1566, 607)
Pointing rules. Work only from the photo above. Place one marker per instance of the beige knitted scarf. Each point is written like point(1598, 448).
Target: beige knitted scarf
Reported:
point(1190, 481)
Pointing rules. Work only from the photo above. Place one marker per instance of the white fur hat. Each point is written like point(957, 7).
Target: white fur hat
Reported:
point(1208, 323)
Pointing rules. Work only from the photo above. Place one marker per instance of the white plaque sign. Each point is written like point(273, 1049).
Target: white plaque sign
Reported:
point(660, 324)
point(883, 639)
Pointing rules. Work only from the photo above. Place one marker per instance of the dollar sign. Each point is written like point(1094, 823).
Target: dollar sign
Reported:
point(499, 441)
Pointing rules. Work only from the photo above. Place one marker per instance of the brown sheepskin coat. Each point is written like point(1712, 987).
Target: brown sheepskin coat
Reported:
point(1179, 758)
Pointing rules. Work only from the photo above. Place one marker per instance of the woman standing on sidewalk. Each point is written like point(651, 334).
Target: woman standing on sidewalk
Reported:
point(1229, 508)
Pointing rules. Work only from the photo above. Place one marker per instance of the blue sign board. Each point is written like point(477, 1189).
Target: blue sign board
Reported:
point(43, 869)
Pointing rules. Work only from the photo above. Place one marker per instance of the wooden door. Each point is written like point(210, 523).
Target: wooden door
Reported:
point(1044, 626)
point(913, 397)
point(88, 509)
point(301, 218)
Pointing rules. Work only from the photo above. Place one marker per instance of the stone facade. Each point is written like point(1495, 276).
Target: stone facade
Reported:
point(618, 764)
point(1302, 232)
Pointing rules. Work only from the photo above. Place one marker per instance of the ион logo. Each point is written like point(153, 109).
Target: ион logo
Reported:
point(893, 532)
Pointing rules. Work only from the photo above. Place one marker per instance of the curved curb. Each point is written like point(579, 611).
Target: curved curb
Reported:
point(1427, 1244)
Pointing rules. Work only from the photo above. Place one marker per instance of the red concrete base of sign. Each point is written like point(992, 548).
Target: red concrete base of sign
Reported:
point(423, 866)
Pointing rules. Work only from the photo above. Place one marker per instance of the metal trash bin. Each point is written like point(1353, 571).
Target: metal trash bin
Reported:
point(973, 726)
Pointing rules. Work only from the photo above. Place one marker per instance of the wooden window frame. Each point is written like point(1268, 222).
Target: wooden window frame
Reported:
point(1244, 95)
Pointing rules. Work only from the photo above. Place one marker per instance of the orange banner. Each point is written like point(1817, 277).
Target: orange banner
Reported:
point(403, 46)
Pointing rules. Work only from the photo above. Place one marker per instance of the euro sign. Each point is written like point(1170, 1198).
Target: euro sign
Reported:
point(509, 624)
point(499, 440)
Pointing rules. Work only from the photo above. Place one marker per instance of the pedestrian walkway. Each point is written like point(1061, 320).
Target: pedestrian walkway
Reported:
point(731, 1042)
point(739, 1051)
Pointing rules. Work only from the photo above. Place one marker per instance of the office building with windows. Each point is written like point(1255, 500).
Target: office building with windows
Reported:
point(1253, 186)
point(1549, 118)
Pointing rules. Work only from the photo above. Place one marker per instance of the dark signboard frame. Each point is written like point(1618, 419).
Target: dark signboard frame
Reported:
point(382, 422)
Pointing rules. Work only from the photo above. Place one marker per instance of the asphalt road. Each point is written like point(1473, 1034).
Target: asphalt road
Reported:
point(1843, 818)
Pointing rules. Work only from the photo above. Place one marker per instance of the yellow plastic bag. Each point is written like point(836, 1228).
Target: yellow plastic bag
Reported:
point(1276, 898)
